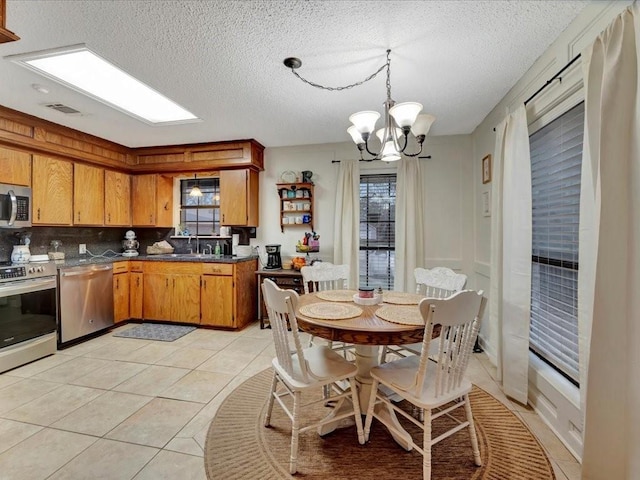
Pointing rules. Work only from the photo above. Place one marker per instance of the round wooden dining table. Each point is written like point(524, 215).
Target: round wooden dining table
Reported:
point(367, 332)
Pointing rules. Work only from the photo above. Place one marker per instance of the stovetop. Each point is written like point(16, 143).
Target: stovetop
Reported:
point(13, 272)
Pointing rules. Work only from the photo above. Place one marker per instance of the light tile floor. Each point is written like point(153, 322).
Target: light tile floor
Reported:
point(122, 409)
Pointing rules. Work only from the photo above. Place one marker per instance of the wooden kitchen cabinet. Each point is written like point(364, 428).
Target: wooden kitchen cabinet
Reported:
point(239, 192)
point(173, 296)
point(88, 195)
point(227, 294)
point(15, 167)
point(216, 295)
point(152, 200)
point(117, 199)
point(121, 281)
point(52, 190)
point(135, 289)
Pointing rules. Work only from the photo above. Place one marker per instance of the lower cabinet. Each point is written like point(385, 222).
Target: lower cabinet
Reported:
point(211, 294)
point(120, 292)
point(173, 296)
point(135, 294)
point(216, 296)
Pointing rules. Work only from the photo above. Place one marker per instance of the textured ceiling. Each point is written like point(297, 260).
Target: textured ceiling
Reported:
point(222, 60)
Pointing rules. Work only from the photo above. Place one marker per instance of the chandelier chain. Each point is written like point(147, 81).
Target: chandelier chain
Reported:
point(387, 65)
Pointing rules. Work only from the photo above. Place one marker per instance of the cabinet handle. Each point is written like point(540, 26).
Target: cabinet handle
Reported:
point(166, 206)
point(118, 283)
point(138, 282)
point(109, 217)
point(38, 214)
point(204, 283)
point(151, 218)
point(167, 282)
point(78, 216)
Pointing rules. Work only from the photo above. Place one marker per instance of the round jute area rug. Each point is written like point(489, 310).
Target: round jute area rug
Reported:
point(239, 447)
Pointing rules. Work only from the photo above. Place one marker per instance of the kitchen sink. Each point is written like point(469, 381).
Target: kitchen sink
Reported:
point(185, 255)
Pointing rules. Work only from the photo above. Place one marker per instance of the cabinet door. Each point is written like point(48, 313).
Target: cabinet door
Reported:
point(216, 301)
point(117, 198)
point(135, 297)
point(158, 290)
point(52, 184)
point(239, 197)
point(152, 200)
point(88, 195)
point(121, 297)
point(15, 167)
point(143, 200)
point(185, 298)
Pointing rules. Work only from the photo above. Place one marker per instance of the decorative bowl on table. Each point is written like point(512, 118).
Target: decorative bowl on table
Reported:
point(375, 300)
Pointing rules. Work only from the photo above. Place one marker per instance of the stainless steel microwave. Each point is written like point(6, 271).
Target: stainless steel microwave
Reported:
point(15, 206)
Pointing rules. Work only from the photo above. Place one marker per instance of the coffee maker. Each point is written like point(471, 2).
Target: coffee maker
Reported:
point(130, 244)
point(274, 261)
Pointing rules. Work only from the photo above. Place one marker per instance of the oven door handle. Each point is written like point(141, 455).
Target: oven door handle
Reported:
point(14, 207)
point(28, 286)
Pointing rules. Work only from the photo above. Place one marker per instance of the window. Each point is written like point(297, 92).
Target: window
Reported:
point(556, 158)
point(377, 230)
point(200, 215)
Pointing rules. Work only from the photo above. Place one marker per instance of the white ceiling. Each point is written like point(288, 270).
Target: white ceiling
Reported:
point(222, 60)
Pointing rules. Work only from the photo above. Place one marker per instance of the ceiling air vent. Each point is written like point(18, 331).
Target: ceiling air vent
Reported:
point(63, 108)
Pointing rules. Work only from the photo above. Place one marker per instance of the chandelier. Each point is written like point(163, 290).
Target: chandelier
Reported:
point(400, 119)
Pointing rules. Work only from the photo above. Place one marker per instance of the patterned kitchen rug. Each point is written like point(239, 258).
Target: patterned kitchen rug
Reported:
point(156, 331)
point(239, 447)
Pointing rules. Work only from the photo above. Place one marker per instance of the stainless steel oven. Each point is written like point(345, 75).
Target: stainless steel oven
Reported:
point(28, 313)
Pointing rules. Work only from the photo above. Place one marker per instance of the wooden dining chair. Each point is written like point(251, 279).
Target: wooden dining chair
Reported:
point(297, 370)
point(430, 385)
point(438, 282)
point(323, 276)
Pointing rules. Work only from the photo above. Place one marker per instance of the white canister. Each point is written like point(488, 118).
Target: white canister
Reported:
point(20, 254)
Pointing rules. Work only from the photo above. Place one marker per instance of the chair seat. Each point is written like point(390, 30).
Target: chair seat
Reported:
point(400, 375)
point(325, 366)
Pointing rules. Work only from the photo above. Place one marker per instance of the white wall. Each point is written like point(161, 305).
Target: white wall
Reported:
point(448, 197)
point(549, 104)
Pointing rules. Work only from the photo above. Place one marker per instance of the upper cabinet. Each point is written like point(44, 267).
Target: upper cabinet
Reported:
point(152, 200)
point(52, 191)
point(5, 35)
point(88, 195)
point(117, 199)
point(15, 167)
point(239, 198)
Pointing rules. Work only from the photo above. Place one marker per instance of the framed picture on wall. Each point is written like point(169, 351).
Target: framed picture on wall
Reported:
point(486, 169)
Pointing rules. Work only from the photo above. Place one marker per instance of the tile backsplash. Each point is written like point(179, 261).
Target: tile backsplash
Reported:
point(100, 240)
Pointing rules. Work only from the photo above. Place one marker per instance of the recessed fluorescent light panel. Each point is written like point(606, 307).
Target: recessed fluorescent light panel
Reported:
point(81, 69)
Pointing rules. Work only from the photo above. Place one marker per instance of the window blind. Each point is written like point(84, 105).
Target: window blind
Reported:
point(556, 158)
point(377, 230)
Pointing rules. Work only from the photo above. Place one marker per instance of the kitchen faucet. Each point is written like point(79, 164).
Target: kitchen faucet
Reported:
point(210, 249)
point(197, 244)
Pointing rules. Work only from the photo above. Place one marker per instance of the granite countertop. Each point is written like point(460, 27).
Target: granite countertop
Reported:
point(184, 257)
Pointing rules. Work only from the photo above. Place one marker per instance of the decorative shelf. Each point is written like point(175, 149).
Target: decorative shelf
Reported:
point(292, 196)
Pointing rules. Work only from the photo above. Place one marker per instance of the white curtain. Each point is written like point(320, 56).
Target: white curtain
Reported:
point(510, 291)
point(609, 281)
point(409, 224)
point(346, 233)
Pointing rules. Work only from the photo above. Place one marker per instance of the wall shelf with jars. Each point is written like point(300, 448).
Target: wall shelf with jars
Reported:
point(296, 204)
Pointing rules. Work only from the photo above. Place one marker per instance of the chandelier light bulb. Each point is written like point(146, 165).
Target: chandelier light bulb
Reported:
point(356, 136)
point(389, 152)
point(365, 121)
point(422, 124)
point(405, 113)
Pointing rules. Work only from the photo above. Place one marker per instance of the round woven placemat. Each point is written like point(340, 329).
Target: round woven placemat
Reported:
point(404, 315)
point(330, 311)
point(337, 295)
point(401, 298)
point(239, 447)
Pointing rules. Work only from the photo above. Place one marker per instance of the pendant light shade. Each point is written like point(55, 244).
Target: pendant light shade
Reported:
point(405, 113)
point(195, 190)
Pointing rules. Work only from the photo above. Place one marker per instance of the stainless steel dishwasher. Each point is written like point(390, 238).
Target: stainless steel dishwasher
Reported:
point(86, 301)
